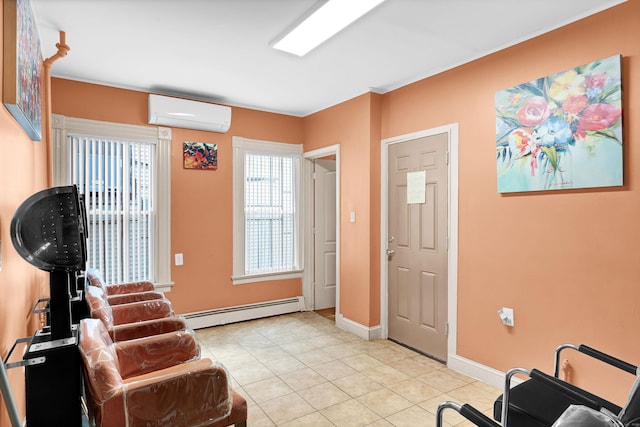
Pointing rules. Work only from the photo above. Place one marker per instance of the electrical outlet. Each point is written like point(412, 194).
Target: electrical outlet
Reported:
point(179, 259)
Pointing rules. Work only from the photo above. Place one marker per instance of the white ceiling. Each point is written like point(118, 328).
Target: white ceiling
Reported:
point(218, 50)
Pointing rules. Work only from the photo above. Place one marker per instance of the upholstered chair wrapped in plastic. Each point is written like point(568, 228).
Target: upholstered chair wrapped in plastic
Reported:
point(122, 293)
point(130, 331)
point(153, 381)
point(118, 299)
point(132, 320)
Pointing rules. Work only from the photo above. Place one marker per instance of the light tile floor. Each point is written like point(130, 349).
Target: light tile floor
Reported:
point(301, 370)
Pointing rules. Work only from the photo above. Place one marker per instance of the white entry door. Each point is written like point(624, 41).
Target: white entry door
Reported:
point(325, 233)
point(417, 244)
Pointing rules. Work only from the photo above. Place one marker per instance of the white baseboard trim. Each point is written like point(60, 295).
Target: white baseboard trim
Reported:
point(364, 332)
point(478, 371)
point(240, 313)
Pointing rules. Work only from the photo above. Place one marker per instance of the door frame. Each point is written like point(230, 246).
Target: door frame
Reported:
point(309, 247)
point(452, 256)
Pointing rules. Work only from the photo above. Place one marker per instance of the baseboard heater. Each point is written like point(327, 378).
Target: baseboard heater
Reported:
point(240, 313)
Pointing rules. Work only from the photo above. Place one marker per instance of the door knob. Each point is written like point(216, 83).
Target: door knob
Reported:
point(390, 252)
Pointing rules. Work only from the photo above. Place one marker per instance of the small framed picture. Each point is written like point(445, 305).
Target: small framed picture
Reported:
point(200, 155)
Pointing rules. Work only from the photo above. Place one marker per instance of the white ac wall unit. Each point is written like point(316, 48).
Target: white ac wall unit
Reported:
point(183, 113)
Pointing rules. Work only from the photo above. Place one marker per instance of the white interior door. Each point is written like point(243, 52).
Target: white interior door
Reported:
point(325, 233)
point(417, 244)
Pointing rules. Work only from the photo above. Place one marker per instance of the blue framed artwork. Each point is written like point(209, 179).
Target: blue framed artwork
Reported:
point(562, 131)
point(22, 67)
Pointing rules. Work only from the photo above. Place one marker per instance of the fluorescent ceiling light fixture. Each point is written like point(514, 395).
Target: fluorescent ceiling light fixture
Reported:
point(324, 23)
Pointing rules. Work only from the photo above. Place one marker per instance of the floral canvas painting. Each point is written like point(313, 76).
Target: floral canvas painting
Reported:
point(22, 67)
point(562, 131)
point(200, 155)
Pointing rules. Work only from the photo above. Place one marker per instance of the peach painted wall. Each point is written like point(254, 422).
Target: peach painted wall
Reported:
point(374, 203)
point(355, 125)
point(566, 261)
point(201, 217)
point(201, 210)
point(22, 173)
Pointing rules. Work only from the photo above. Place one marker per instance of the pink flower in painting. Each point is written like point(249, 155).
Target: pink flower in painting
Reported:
point(575, 104)
point(598, 116)
point(596, 80)
point(533, 111)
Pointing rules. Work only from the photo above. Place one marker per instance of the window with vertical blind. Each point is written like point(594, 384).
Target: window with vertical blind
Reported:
point(266, 210)
point(123, 173)
point(116, 177)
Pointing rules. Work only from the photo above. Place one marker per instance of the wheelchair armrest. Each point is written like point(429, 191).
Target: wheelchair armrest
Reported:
point(467, 411)
point(596, 354)
point(477, 417)
point(561, 386)
point(613, 361)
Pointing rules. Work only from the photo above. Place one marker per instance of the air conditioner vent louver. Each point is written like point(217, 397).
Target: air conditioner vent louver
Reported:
point(183, 113)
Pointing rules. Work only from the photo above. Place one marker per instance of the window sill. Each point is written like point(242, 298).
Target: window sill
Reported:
point(164, 287)
point(279, 275)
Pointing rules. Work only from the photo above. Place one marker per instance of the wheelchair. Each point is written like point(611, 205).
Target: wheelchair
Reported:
point(546, 401)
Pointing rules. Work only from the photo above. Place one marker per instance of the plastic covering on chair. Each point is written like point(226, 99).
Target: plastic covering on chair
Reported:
point(132, 320)
point(94, 278)
point(154, 381)
point(118, 299)
point(125, 313)
point(147, 328)
point(581, 416)
point(122, 293)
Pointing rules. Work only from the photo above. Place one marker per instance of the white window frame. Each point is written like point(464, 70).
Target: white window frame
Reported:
point(64, 126)
point(240, 146)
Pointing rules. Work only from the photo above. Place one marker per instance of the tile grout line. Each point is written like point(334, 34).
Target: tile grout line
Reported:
point(264, 334)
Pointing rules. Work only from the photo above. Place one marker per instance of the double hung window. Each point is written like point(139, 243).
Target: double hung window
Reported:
point(266, 210)
point(116, 177)
point(122, 171)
